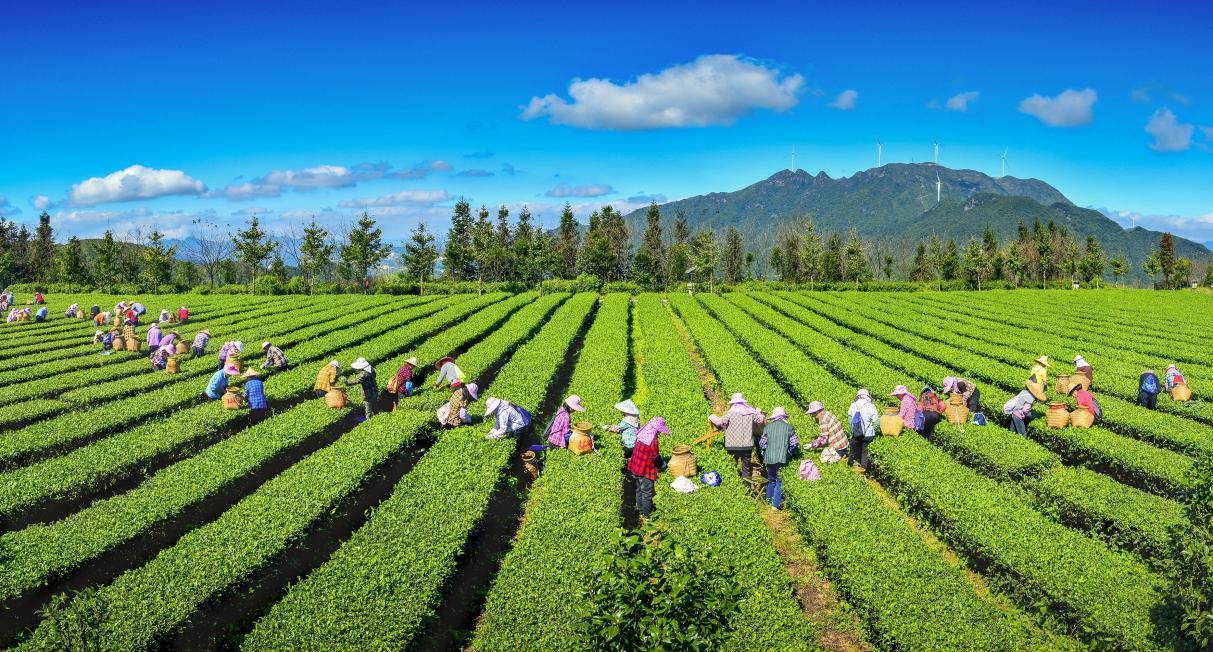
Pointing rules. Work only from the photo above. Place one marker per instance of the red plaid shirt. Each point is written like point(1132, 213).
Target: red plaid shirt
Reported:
point(640, 464)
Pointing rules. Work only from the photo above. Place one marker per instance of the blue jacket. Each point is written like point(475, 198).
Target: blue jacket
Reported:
point(254, 393)
point(217, 385)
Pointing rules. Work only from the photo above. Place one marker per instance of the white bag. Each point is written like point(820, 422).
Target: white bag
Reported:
point(829, 455)
point(444, 412)
point(684, 485)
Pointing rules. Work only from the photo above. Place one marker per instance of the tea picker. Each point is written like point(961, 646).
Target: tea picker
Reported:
point(627, 426)
point(741, 425)
point(643, 463)
point(778, 440)
point(508, 419)
point(560, 428)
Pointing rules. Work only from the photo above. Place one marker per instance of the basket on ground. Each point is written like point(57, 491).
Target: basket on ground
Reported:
point(891, 424)
point(232, 398)
point(1057, 416)
point(956, 411)
point(1063, 384)
point(182, 349)
point(682, 462)
point(581, 441)
point(172, 365)
point(119, 343)
point(1081, 417)
point(134, 344)
point(335, 398)
point(1181, 392)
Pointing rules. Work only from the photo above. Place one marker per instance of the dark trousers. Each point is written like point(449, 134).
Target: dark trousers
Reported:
point(774, 487)
point(1019, 425)
point(644, 494)
point(747, 465)
point(198, 351)
point(930, 419)
point(858, 451)
point(975, 401)
point(257, 415)
point(1147, 400)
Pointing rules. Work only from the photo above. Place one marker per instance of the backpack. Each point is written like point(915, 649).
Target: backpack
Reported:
point(808, 470)
point(1149, 384)
point(856, 425)
point(920, 420)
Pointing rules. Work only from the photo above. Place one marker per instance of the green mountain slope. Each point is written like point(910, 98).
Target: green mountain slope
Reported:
point(898, 202)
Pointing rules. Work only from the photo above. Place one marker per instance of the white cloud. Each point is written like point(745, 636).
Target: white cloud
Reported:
point(6, 208)
point(135, 182)
point(41, 202)
point(320, 176)
point(402, 198)
point(960, 101)
point(1170, 135)
point(245, 191)
point(1198, 228)
point(255, 210)
point(563, 190)
point(323, 176)
point(845, 101)
point(91, 223)
point(712, 90)
point(1069, 109)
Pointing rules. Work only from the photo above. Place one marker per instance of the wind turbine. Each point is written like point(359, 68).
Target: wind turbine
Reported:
point(1004, 161)
point(937, 152)
point(879, 151)
point(938, 188)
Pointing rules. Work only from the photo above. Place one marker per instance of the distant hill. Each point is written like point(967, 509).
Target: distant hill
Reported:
point(897, 202)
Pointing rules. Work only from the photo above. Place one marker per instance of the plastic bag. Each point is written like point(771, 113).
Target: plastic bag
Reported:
point(829, 456)
point(710, 478)
point(684, 485)
point(808, 470)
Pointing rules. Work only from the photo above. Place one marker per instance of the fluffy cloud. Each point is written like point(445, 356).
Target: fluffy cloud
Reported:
point(563, 190)
point(135, 182)
point(127, 224)
point(41, 202)
point(647, 198)
point(1193, 227)
point(475, 172)
point(1170, 135)
point(6, 208)
point(1069, 109)
point(402, 198)
point(323, 176)
point(712, 90)
point(845, 101)
point(960, 101)
point(320, 176)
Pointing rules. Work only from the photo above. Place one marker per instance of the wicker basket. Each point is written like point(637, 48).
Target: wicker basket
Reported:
point(1063, 384)
point(581, 442)
point(182, 349)
point(891, 425)
point(232, 398)
point(531, 464)
point(134, 344)
point(682, 462)
point(1081, 417)
point(335, 398)
point(119, 343)
point(1057, 416)
point(172, 365)
point(1181, 392)
point(956, 411)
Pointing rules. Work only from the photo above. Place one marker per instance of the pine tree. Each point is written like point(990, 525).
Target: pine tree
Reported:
point(420, 254)
point(949, 264)
point(41, 263)
point(253, 246)
point(1093, 260)
point(648, 269)
point(1207, 281)
point(1044, 252)
point(921, 269)
point(485, 250)
point(278, 269)
point(811, 253)
point(457, 260)
point(682, 231)
point(568, 247)
point(597, 258)
point(733, 258)
point(1151, 266)
point(989, 247)
point(616, 232)
point(857, 267)
point(705, 256)
point(525, 266)
point(790, 244)
point(363, 250)
point(1120, 268)
point(776, 261)
point(832, 261)
point(935, 255)
point(977, 264)
point(504, 236)
point(157, 261)
point(315, 253)
point(1166, 258)
point(106, 266)
point(503, 246)
point(72, 268)
point(20, 249)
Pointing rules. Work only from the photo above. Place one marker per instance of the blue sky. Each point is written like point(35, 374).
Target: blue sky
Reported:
point(138, 114)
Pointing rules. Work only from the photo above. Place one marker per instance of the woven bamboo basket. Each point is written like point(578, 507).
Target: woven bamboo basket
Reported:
point(956, 411)
point(683, 462)
point(1057, 416)
point(891, 425)
point(1081, 417)
point(1181, 392)
point(335, 398)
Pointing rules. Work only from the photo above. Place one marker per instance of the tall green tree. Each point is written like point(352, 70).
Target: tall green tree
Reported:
point(616, 231)
point(106, 266)
point(253, 247)
point(790, 243)
point(458, 260)
point(811, 254)
point(1093, 261)
point(989, 247)
point(72, 268)
point(949, 264)
point(921, 269)
point(1182, 273)
point(734, 257)
point(887, 267)
point(1151, 266)
point(1044, 251)
point(420, 254)
point(858, 269)
point(597, 256)
point(315, 253)
point(157, 261)
point(977, 264)
point(1207, 280)
point(648, 266)
point(706, 257)
point(1120, 268)
point(775, 262)
point(832, 260)
point(1166, 258)
point(278, 269)
point(363, 250)
point(568, 244)
point(526, 267)
point(41, 264)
